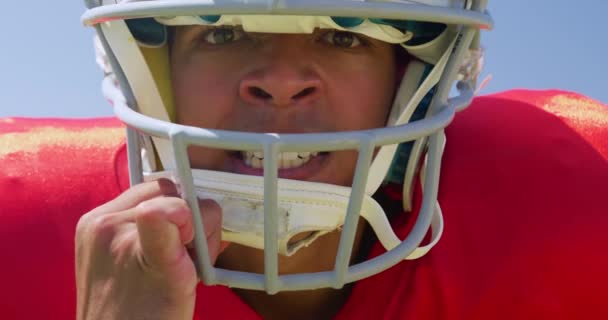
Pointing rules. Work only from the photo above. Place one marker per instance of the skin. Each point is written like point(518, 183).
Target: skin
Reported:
point(131, 253)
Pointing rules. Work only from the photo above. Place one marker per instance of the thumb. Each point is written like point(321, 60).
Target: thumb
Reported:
point(164, 226)
point(211, 213)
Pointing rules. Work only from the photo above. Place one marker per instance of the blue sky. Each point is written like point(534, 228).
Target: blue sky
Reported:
point(48, 66)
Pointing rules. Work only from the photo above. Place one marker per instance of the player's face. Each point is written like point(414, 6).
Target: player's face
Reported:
point(327, 81)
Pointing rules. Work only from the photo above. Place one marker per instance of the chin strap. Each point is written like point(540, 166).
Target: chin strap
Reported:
point(404, 106)
point(149, 102)
point(309, 208)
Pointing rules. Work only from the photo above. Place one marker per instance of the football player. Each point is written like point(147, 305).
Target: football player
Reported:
point(284, 159)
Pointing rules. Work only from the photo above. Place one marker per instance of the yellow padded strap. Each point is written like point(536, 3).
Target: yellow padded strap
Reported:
point(157, 60)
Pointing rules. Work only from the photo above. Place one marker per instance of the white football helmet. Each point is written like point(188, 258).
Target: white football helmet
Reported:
point(265, 212)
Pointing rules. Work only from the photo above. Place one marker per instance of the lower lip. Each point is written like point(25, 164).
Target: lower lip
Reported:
point(304, 172)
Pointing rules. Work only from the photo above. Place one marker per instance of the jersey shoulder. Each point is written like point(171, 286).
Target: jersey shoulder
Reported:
point(523, 188)
point(543, 148)
point(54, 157)
point(521, 119)
point(51, 172)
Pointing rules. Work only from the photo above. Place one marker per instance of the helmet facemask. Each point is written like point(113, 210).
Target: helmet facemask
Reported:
point(276, 209)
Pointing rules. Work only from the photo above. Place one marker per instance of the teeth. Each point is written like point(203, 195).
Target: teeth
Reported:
point(286, 160)
point(256, 162)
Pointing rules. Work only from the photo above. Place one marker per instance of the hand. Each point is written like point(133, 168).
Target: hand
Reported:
point(131, 256)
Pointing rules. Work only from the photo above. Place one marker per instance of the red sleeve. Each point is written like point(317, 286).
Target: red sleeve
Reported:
point(51, 172)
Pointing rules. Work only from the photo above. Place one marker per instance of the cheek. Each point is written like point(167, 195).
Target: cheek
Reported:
point(204, 94)
point(364, 100)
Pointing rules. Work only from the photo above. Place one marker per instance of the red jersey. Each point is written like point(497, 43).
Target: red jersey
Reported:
point(523, 191)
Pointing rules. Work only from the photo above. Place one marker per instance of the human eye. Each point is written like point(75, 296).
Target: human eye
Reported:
point(223, 35)
point(342, 39)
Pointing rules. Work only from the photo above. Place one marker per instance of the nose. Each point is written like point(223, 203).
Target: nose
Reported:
point(283, 77)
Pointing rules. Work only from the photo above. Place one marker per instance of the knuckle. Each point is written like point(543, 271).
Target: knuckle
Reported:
point(149, 210)
point(82, 224)
point(210, 205)
point(160, 187)
point(123, 243)
point(181, 204)
point(101, 228)
point(159, 208)
point(166, 186)
point(86, 222)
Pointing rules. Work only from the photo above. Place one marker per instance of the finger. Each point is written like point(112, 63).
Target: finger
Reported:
point(138, 194)
point(164, 226)
point(211, 213)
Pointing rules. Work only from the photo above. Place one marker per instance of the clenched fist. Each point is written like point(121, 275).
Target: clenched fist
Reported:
point(132, 260)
